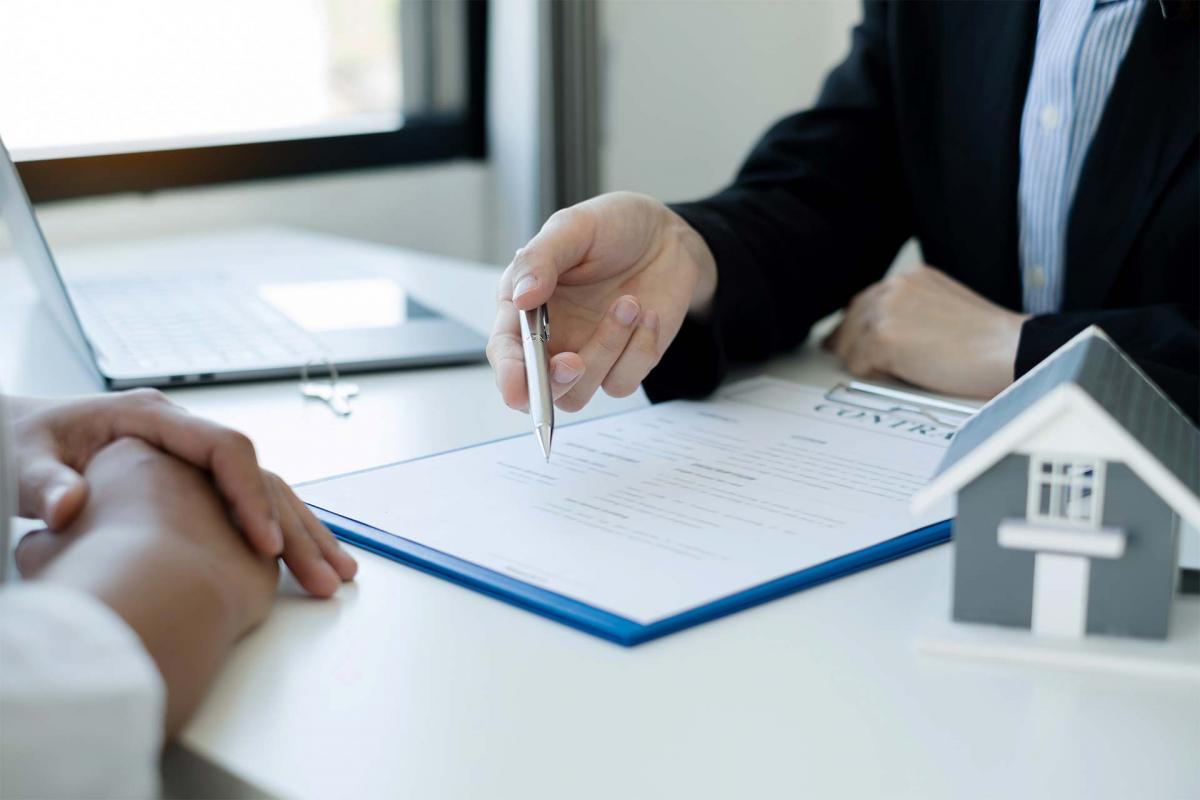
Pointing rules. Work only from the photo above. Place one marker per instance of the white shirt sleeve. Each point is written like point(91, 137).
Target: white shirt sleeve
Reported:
point(81, 701)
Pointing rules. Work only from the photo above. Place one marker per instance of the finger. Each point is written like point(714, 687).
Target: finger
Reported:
point(565, 371)
point(866, 354)
point(301, 554)
point(854, 323)
point(36, 550)
point(562, 243)
point(506, 356)
point(331, 549)
point(227, 455)
point(639, 357)
point(51, 491)
point(831, 341)
point(602, 351)
point(843, 338)
point(860, 359)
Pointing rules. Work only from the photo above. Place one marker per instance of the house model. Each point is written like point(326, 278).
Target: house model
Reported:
point(1071, 486)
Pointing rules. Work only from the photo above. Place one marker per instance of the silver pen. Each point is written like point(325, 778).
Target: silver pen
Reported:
point(535, 339)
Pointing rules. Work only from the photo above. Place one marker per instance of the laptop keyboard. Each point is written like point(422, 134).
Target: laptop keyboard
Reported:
point(176, 325)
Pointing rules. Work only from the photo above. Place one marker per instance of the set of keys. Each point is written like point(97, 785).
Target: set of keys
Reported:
point(333, 392)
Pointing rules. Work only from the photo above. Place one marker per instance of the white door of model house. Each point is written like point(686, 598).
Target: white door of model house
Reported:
point(1063, 527)
point(1060, 594)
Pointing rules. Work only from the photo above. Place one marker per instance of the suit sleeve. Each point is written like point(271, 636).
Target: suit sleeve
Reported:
point(816, 213)
point(1163, 340)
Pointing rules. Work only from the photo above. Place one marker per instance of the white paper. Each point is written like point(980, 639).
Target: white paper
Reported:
point(650, 513)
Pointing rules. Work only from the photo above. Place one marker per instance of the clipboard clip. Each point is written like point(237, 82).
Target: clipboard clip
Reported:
point(334, 393)
point(885, 399)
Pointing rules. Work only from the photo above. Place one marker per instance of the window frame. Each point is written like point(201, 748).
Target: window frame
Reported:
point(422, 139)
point(1064, 478)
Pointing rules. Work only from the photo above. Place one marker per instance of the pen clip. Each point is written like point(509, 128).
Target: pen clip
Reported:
point(535, 324)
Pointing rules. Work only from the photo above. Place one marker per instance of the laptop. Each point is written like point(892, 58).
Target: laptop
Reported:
point(226, 308)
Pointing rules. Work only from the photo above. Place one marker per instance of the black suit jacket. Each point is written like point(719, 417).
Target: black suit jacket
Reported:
point(917, 134)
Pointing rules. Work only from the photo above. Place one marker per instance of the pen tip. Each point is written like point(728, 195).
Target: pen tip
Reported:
point(544, 434)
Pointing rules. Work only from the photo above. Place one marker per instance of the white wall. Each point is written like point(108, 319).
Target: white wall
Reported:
point(518, 122)
point(688, 85)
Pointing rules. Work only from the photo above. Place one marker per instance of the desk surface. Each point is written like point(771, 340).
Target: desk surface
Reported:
point(404, 685)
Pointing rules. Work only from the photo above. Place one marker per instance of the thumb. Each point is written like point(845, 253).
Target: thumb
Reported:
point(51, 491)
point(561, 244)
point(36, 550)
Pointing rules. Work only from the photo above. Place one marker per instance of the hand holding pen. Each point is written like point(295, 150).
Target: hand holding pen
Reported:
point(618, 273)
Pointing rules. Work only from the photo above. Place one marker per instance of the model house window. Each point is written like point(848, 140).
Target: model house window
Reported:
point(1064, 490)
point(132, 95)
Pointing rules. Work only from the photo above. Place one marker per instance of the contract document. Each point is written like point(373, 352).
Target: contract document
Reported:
point(648, 514)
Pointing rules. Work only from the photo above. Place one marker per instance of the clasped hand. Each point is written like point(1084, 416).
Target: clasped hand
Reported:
point(56, 440)
point(921, 326)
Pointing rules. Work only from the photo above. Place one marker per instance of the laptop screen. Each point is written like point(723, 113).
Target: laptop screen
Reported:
point(30, 246)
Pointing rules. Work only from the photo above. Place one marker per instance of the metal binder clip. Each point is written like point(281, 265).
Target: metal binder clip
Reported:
point(869, 397)
point(332, 392)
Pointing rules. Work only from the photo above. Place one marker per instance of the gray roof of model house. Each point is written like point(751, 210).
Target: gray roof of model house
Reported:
point(1093, 364)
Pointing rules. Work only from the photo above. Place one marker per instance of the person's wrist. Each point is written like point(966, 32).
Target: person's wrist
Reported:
point(241, 591)
point(1005, 342)
point(700, 261)
point(179, 601)
point(241, 597)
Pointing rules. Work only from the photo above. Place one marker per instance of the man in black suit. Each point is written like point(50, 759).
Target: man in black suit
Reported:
point(1040, 210)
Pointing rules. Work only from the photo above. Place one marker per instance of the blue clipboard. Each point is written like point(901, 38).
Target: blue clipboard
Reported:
point(605, 624)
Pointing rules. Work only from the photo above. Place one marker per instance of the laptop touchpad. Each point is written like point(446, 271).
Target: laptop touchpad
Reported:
point(324, 306)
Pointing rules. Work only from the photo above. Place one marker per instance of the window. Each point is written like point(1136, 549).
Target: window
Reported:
point(116, 95)
point(1066, 491)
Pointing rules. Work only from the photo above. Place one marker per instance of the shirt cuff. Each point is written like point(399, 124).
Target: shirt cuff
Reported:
point(83, 702)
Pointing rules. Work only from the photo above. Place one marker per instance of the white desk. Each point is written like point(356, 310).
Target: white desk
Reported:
point(407, 686)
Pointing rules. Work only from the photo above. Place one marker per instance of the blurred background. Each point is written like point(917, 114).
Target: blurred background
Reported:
point(453, 126)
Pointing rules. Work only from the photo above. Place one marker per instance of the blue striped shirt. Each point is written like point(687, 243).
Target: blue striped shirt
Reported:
point(1080, 45)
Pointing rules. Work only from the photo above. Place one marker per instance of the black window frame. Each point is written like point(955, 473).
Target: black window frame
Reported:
point(425, 138)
